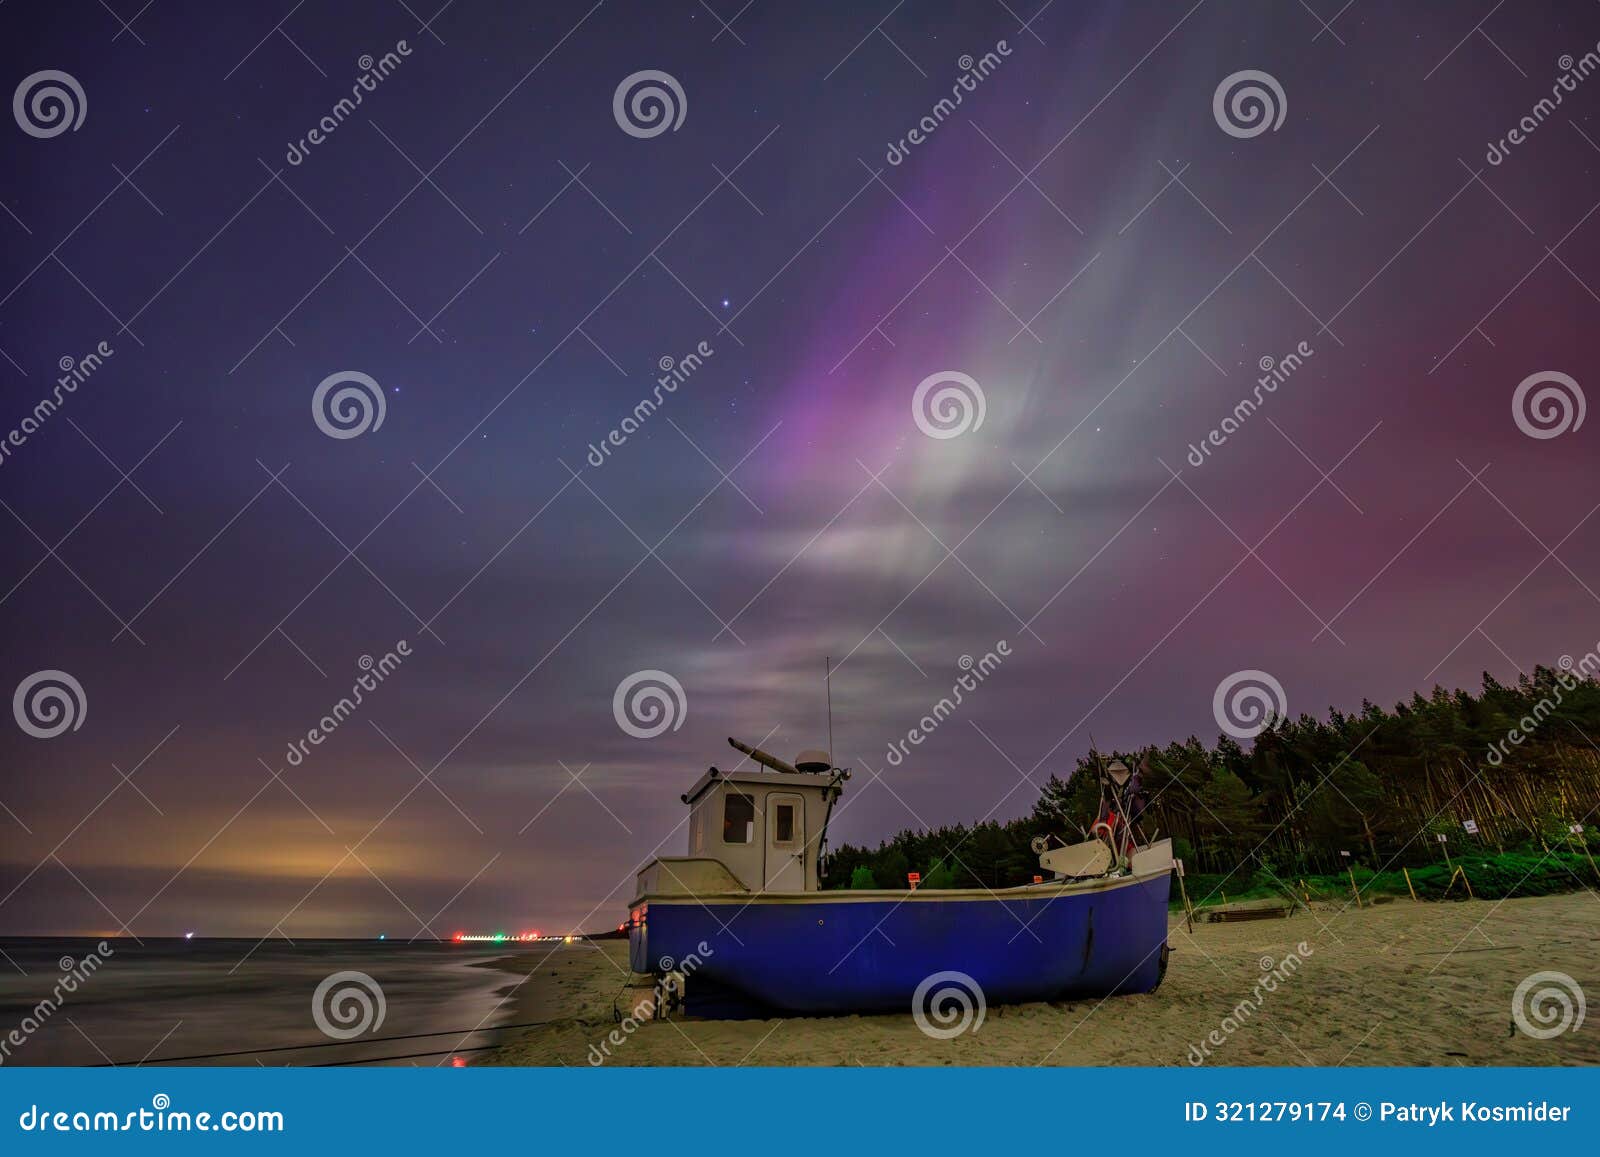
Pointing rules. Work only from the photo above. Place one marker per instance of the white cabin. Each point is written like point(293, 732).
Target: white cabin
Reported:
point(753, 832)
point(764, 827)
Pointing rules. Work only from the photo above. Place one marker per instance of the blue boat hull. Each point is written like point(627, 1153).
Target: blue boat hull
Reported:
point(833, 952)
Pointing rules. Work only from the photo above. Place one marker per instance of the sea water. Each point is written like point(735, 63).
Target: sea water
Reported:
point(179, 998)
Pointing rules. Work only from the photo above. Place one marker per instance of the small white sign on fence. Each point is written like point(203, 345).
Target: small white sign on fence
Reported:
point(1441, 837)
point(1346, 855)
point(1577, 829)
point(1471, 826)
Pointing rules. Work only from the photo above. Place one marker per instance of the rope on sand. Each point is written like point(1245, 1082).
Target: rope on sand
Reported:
point(463, 1032)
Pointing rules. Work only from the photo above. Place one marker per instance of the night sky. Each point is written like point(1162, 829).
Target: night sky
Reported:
point(1081, 237)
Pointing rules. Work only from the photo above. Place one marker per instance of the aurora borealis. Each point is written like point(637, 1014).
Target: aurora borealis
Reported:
point(516, 272)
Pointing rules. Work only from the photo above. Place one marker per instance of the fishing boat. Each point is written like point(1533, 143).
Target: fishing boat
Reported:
point(741, 926)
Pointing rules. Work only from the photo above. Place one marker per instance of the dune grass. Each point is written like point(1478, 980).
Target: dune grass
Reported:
point(1495, 876)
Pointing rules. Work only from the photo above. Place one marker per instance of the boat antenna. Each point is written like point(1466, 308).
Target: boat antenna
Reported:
point(827, 683)
point(837, 774)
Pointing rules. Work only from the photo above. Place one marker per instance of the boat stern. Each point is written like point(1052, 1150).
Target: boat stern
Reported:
point(669, 876)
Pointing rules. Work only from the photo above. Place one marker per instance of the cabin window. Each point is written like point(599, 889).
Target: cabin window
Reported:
point(783, 823)
point(738, 819)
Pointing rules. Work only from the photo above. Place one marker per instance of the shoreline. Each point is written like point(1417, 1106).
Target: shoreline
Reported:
point(534, 993)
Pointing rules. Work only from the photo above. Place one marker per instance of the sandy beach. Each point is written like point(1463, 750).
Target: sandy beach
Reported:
point(1397, 983)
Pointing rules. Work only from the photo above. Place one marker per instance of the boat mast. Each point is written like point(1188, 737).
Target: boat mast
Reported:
point(827, 683)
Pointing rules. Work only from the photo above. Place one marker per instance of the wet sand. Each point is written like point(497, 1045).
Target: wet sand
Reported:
point(1393, 984)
